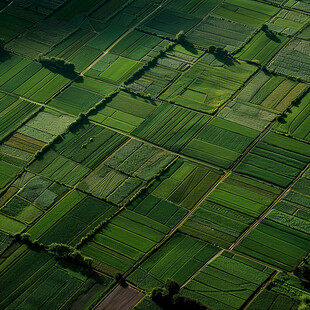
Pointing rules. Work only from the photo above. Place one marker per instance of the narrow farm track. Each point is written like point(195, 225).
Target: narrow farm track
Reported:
point(263, 216)
point(259, 290)
point(201, 268)
point(124, 35)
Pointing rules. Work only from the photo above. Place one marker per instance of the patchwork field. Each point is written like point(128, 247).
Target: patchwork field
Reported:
point(154, 154)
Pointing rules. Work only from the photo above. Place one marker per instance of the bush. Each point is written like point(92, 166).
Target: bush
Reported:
point(64, 251)
point(169, 298)
point(120, 280)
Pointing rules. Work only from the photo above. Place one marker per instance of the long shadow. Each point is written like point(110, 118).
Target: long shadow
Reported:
point(5, 55)
point(226, 60)
point(71, 75)
point(273, 37)
point(189, 46)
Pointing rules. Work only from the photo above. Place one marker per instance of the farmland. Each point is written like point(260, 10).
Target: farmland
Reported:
point(155, 154)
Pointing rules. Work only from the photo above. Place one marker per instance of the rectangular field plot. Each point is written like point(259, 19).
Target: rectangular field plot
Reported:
point(137, 45)
point(288, 22)
point(272, 92)
point(229, 210)
point(284, 291)
point(262, 47)
point(123, 175)
point(282, 239)
point(184, 184)
point(121, 243)
point(107, 37)
point(114, 69)
point(220, 143)
point(124, 112)
point(293, 60)
point(227, 282)
point(209, 83)
point(196, 8)
point(296, 121)
point(37, 281)
point(154, 81)
point(75, 100)
point(13, 111)
point(20, 148)
point(41, 38)
point(72, 158)
point(171, 127)
point(71, 219)
point(247, 115)
point(76, 8)
point(220, 32)
point(168, 23)
point(248, 12)
point(276, 159)
point(276, 244)
point(178, 259)
point(30, 80)
point(72, 44)
point(130, 15)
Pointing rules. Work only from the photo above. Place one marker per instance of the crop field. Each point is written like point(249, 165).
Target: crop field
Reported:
point(272, 92)
point(288, 22)
point(286, 229)
point(220, 142)
point(249, 12)
point(227, 281)
point(124, 112)
point(296, 122)
point(276, 159)
point(229, 210)
point(177, 259)
point(293, 60)
point(155, 154)
point(262, 48)
point(209, 83)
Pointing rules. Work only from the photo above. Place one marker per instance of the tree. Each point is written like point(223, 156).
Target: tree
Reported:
point(305, 303)
point(180, 37)
point(169, 298)
point(120, 280)
point(172, 287)
point(303, 273)
point(265, 28)
point(212, 49)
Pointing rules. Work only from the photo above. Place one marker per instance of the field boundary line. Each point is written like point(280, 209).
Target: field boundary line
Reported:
point(249, 301)
point(121, 37)
point(202, 267)
point(267, 211)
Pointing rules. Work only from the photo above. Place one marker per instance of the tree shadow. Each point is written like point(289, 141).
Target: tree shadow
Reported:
point(189, 46)
point(5, 55)
point(273, 37)
point(71, 75)
point(226, 60)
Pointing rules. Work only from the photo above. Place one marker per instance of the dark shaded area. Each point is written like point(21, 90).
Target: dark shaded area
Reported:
point(303, 273)
point(120, 280)
point(4, 54)
point(273, 37)
point(222, 55)
point(62, 67)
point(169, 298)
point(270, 34)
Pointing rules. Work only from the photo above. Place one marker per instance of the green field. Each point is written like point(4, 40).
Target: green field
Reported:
point(155, 154)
